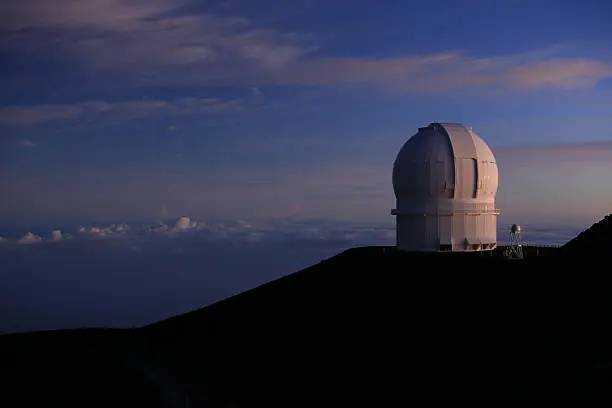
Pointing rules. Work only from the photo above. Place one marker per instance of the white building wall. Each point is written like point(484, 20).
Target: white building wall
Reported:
point(458, 232)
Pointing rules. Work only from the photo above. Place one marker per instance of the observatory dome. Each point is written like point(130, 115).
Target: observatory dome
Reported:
point(445, 180)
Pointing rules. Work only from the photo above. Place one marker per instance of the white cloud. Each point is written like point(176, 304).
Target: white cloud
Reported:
point(183, 223)
point(56, 235)
point(29, 238)
point(122, 228)
point(108, 231)
point(159, 226)
point(241, 231)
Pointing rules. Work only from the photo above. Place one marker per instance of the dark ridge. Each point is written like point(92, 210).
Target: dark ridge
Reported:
point(593, 242)
point(379, 325)
point(371, 325)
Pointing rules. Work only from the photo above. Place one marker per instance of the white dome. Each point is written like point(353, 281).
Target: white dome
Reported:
point(429, 162)
point(446, 170)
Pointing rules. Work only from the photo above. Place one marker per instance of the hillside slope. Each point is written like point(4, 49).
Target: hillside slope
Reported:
point(594, 242)
point(378, 324)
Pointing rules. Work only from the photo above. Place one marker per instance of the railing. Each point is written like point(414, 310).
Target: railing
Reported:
point(529, 249)
point(532, 245)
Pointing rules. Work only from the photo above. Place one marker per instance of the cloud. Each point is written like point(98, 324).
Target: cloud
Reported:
point(236, 231)
point(560, 73)
point(183, 223)
point(143, 277)
point(157, 43)
point(56, 235)
point(113, 34)
point(560, 156)
point(24, 142)
point(70, 13)
point(598, 146)
point(347, 234)
point(29, 238)
point(448, 72)
point(124, 110)
point(108, 231)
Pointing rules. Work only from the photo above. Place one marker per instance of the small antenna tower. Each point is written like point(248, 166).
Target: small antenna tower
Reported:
point(515, 249)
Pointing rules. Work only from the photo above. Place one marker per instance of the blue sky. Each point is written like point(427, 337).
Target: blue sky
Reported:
point(128, 109)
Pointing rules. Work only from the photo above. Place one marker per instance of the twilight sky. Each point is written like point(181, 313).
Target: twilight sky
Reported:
point(136, 109)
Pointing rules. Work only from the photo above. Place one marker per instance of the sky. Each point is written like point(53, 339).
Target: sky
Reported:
point(279, 112)
point(127, 109)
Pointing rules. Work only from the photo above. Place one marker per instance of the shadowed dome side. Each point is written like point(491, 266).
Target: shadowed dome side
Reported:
point(411, 174)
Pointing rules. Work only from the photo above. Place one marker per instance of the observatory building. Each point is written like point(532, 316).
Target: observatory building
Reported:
point(445, 180)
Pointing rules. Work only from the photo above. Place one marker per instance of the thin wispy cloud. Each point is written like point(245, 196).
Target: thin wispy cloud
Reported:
point(559, 156)
point(448, 72)
point(27, 143)
point(604, 146)
point(161, 45)
point(120, 276)
point(138, 34)
point(561, 73)
point(124, 110)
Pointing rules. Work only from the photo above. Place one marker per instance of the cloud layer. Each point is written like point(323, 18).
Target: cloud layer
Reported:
point(236, 231)
point(124, 275)
point(135, 236)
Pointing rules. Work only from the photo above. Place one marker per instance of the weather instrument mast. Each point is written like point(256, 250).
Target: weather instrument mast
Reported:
point(515, 249)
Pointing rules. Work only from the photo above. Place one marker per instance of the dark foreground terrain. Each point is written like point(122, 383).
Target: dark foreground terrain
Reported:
point(368, 326)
